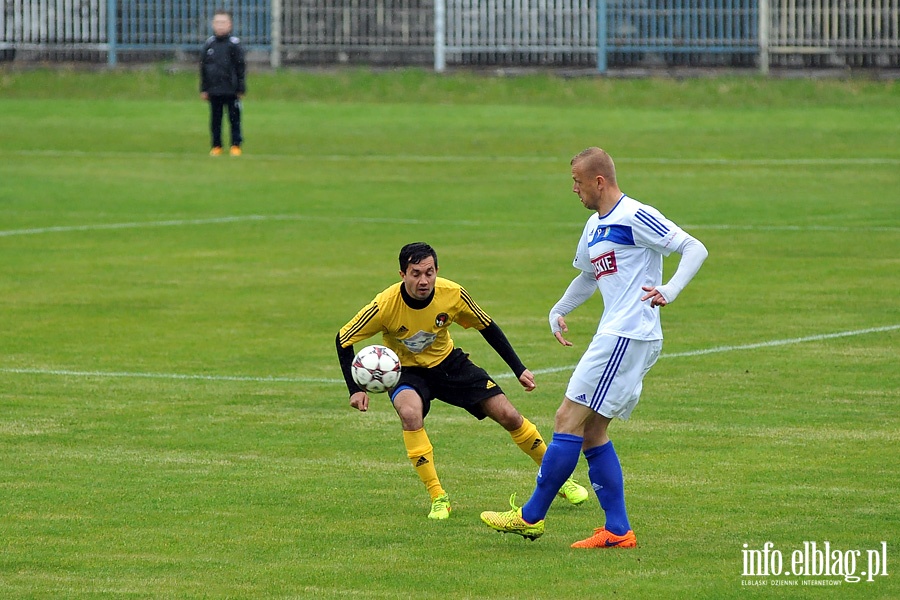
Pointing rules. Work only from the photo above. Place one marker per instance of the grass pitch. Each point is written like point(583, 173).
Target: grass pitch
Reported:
point(172, 423)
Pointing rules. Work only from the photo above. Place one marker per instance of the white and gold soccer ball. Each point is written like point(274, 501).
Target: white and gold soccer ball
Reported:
point(376, 368)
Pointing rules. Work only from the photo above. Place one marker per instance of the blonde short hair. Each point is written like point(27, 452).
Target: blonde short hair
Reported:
point(596, 161)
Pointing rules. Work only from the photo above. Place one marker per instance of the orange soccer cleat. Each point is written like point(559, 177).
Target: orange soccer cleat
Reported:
point(605, 539)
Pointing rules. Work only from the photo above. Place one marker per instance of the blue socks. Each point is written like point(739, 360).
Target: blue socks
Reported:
point(605, 473)
point(558, 464)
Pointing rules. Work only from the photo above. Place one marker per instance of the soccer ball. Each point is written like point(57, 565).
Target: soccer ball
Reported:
point(376, 368)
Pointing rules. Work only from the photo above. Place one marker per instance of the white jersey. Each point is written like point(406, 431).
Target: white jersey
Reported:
point(623, 250)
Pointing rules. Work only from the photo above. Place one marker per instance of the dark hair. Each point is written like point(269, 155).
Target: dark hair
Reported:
point(415, 253)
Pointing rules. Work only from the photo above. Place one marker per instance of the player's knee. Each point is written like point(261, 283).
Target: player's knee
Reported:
point(409, 409)
point(501, 410)
point(411, 420)
point(571, 418)
point(560, 415)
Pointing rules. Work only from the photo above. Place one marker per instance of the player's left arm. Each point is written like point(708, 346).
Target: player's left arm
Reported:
point(499, 342)
point(471, 315)
point(693, 253)
point(240, 66)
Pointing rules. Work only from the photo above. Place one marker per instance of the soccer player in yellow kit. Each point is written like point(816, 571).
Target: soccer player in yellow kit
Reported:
point(414, 316)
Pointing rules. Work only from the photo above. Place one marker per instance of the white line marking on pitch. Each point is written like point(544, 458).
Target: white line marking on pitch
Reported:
point(215, 221)
point(770, 344)
point(134, 225)
point(387, 220)
point(415, 158)
point(177, 376)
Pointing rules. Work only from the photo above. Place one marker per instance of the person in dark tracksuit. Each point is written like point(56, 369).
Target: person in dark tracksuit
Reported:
point(222, 81)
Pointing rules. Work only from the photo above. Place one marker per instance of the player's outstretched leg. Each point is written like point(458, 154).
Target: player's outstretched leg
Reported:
point(556, 468)
point(511, 521)
point(528, 439)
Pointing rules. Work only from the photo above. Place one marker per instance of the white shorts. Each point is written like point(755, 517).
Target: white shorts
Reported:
point(608, 378)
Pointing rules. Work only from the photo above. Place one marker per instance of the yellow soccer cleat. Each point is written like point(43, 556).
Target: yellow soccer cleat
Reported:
point(216, 151)
point(605, 539)
point(440, 508)
point(511, 521)
point(573, 492)
point(235, 151)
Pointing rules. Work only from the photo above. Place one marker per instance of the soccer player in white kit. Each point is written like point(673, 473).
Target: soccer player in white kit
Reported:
point(621, 253)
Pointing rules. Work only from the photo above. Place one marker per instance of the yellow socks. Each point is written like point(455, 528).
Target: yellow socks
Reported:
point(421, 455)
point(528, 438)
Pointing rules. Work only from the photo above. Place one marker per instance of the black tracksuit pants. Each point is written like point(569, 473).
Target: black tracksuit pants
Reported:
point(217, 106)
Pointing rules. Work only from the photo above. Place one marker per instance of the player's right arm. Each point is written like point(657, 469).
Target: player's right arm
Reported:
point(578, 292)
point(204, 83)
point(358, 398)
point(364, 325)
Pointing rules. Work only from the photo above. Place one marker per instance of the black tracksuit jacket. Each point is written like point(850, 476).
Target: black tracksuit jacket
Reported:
point(222, 67)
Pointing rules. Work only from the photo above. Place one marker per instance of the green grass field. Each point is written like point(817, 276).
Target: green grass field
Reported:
point(172, 421)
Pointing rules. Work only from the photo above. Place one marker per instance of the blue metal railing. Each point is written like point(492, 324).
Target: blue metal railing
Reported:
point(682, 25)
point(183, 24)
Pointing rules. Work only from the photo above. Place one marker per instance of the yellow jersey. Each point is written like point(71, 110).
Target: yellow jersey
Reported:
point(417, 330)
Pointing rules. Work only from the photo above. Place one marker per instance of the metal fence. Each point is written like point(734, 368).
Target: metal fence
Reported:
point(82, 29)
point(592, 31)
point(598, 33)
point(523, 31)
point(380, 30)
point(27, 24)
point(866, 32)
point(681, 32)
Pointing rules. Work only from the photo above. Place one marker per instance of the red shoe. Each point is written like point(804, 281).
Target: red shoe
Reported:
point(604, 539)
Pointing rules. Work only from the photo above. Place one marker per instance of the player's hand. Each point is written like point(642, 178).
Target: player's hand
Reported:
point(527, 380)
point(360, 401)
point(654, 296)
point(204, 96)
point(563, 328)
